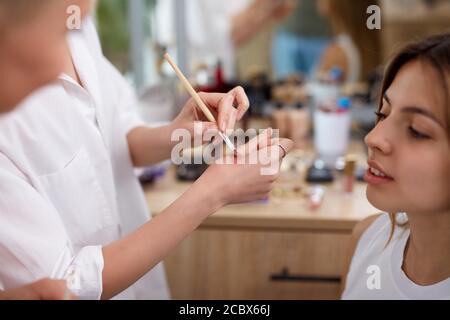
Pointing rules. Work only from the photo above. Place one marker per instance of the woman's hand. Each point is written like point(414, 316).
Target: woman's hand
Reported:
point(128, 259)
point(250, 175)
point(152, 145)
point(45, 289)
point(227, 108)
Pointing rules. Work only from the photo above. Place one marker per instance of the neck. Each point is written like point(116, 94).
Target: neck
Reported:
point(427, 258)
point(69, 66)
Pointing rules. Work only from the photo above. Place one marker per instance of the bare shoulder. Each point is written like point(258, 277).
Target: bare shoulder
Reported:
point(358, 231)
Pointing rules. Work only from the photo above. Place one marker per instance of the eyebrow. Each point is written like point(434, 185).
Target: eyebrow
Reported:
point(416, 110)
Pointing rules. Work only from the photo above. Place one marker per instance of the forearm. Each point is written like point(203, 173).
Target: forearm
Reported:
point(150, 145)
point(249, 22)
point(128, 259)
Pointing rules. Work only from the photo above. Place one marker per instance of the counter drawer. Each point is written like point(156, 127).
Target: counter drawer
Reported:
point(247, 264)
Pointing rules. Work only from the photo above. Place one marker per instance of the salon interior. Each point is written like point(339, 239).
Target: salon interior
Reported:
point(311, 72)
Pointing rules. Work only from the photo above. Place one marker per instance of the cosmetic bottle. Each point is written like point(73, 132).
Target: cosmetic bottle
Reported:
point(315, 198)
point(348, 179)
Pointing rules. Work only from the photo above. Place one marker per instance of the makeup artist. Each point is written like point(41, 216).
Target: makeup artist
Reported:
point(68, 153)
point(20, 76)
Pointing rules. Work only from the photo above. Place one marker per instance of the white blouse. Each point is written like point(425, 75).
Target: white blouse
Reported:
point(67, 185)
point(376, 269)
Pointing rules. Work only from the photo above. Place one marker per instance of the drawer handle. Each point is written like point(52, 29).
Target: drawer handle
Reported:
point(285, 276)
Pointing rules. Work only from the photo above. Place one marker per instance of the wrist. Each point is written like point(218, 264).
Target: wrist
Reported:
point(170, 129)
point(210, 191)
point(175, 124)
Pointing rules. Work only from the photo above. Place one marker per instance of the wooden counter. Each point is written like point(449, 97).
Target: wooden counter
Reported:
point(285, 209)
point(339, 211)
point(274, 250)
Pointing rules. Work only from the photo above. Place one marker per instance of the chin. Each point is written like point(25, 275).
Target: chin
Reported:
point(381, 201)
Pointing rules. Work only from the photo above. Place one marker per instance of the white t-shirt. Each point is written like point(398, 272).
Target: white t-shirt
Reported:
point(376, 269)
point(67, 185)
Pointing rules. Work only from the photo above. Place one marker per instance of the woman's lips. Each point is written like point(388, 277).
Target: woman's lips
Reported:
point(375, 174)
point(373, 179)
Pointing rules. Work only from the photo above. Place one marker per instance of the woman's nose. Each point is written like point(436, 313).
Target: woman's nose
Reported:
point(377, 140)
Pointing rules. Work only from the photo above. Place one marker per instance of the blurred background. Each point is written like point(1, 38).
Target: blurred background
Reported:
point(275, 49)
point(311, 69)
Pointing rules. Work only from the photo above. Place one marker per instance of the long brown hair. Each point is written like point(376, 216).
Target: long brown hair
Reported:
point(350, 16)
point(435, 51)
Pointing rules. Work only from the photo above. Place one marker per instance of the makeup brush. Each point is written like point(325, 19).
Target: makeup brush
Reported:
point(198, 100)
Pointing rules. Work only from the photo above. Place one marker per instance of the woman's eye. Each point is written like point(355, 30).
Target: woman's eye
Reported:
point(380, 116)
point(416, 134)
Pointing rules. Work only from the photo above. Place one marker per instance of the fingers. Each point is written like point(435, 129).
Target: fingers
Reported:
point(52, 289)
point(256, 143)
point(242, 101)
point(47, 289)
point(231, 123)
point(213, 101)
point(225, 113)
point(280, 147)
point(224, 105)
point(41, 290)
point(286, 145)
point(271, 156)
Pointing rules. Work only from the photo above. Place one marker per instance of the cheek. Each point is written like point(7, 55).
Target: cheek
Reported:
point(425, 181)
point(422, 183)
point(442, 184)
point(40, 59)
